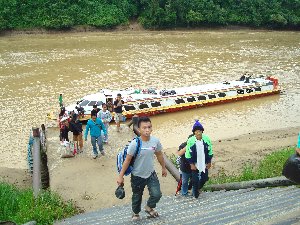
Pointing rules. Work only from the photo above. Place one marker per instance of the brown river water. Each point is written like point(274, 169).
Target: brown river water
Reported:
point(34, 69)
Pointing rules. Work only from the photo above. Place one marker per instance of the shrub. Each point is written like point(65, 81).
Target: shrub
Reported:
point(20, 206)
point(270, 166)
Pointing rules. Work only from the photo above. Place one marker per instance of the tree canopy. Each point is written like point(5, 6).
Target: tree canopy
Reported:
point(152, 14)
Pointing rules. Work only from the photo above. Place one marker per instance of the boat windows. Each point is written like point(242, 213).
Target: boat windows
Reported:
point(99, 103)
point(179, 101)
point(84, 102)
point(201, 97)
point(191, 99)
point(92, 103)
point(167, 92)
point(155, 104)
point(249, 90)
point(211, 96)
point(257, 89)
point(143, 106)
point(240, 91)
point(129, 107)
point(221, 94)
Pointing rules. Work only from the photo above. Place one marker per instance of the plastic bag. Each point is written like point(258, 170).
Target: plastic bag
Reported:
point(291, 168)
point(65, 150)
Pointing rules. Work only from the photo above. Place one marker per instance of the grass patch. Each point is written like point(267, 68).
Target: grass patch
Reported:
point(270, 166)
point(20, 206)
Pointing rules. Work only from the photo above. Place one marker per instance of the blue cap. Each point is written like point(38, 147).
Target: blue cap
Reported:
point(197, 126)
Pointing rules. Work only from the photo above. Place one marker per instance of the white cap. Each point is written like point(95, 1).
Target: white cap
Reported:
point(63, 119)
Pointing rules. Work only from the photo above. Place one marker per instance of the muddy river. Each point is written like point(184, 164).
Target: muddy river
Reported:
point(34, 69)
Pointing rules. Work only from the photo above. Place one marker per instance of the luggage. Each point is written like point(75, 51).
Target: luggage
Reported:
point(122, 156)
point(66, 149)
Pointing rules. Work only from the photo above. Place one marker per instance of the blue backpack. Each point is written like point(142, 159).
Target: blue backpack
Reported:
point(122, 156)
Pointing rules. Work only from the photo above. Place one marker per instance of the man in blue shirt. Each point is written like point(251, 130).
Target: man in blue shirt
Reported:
point(95, 125)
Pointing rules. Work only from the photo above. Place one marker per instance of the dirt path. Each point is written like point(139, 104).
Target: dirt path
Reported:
point(91, 182)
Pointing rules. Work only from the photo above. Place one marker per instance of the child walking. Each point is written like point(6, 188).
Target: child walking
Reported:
point(106, 117)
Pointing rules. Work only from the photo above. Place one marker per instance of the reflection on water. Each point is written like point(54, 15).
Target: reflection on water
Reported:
point(34, 69)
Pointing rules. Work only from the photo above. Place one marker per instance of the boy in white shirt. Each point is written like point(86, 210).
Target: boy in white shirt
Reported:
point(106, 117)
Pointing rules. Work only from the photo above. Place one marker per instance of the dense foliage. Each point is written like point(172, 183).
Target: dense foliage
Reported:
point(65, 14)
point(19, 206)
point(170, 13)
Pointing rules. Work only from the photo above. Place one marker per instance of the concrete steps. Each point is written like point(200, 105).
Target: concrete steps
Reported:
point(244, 206)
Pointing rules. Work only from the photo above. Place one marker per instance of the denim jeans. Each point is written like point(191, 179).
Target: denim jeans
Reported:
point(105, 137)
point(138, 185)
point(185, 182)
point(99, 142)
point(198, 181)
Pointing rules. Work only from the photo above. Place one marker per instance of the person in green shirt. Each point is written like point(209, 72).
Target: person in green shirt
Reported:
point(60, 100)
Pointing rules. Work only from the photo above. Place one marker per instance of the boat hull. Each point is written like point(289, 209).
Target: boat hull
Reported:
point(198, 104)
point(151, 102)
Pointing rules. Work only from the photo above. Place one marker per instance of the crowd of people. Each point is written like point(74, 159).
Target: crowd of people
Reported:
point(195, 161)
point(194, 156)
point(195, 153)
point(97, 125)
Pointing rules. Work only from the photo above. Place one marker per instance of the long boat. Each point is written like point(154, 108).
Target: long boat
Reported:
point(151, 101)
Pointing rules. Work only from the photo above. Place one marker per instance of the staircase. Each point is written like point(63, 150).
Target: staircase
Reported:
point(245, 206)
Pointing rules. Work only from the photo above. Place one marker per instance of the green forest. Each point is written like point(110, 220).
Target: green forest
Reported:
point(151, 14)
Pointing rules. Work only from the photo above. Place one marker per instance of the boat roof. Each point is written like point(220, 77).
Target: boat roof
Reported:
point(130, 93)
point(94, 96)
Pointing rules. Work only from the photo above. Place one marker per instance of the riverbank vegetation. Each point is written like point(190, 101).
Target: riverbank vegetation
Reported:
point(270, 166)
point(20, 207)
point(151, 14)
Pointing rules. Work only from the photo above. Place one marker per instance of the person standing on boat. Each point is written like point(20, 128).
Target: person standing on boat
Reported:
point(60, 100)
point(118, 105)
point(199, 155)
point(143, 173)
point(95, 125)
point(106, 117)
point(109, 106)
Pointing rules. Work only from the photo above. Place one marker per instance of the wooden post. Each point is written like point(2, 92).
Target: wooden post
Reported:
point(36, 153)
point(45, 178)
point(261, 183)
point(135, 120)
point(171, 168)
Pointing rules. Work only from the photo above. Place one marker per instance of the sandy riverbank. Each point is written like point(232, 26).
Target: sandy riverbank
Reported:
point(91, 183)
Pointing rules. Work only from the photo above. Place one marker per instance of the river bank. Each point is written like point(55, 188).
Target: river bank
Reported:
point(133, 26)
point(136, 27)
point(91, 183)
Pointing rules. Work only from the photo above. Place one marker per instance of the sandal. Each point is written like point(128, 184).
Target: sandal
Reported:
point(151, 212)
point(135, 217)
